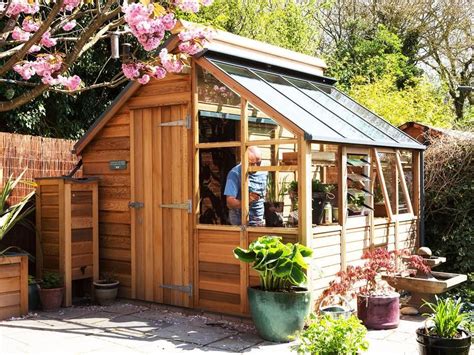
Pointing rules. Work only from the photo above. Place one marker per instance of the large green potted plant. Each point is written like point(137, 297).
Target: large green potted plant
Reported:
point(445, 334)
point(281, 302)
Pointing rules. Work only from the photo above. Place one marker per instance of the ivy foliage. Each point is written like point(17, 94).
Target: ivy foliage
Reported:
point(449, 204)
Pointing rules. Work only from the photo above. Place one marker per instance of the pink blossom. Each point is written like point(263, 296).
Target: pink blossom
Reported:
point(148, 30)
point(72, 83)
point(68, 26)
point(131, 70)
point(144, 79)
point(47, 41)
point(157, 72)
point(193, 40)
point(69, 5)
point(168, 21)
point(34, 48)
point(170, 62)
point(188, 5)
point(19, 35)
point(25, 70)
point(22, 6)
point(29, 25)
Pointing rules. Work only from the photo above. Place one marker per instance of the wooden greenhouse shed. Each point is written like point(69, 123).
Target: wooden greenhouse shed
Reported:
point(162, 152)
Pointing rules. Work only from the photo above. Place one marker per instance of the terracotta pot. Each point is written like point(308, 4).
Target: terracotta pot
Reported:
point(51, 298)
point(379, 312)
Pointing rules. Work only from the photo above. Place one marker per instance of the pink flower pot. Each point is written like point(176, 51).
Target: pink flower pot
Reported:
point(379, 312)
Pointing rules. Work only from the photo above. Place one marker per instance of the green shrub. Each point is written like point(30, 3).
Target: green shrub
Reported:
point(327, 335)
point(449, 205)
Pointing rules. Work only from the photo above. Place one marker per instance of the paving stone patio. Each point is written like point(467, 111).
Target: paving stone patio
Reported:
point(137, 327)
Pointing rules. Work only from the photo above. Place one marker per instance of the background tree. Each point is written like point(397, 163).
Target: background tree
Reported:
point(43, 44)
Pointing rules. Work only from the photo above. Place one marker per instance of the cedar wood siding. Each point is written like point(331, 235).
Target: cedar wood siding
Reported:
point(113, 143)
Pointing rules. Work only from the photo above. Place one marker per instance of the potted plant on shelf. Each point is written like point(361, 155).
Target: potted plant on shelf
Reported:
point(355, 204)
point(326, 335)
point(51, 290)
point(322, 193)
point(274, 203)
point(445, 334)
point(377, 303)
point(106, 289)
point(280, 304)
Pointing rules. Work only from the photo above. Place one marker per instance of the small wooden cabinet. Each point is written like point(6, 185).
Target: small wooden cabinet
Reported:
point(67, 215)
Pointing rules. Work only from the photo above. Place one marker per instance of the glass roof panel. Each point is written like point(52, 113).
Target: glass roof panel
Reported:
point(312, 106)
point(278, 101)
point(321, 111)
point(342, 111)
point(360, 110)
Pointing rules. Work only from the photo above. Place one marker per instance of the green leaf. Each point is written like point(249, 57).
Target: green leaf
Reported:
point(244, 255)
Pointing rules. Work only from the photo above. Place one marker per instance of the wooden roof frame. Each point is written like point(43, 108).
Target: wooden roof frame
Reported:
point(222, 42)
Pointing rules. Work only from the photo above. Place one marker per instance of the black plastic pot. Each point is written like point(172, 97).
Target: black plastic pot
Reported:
point(33, 296)
point(277, 315)
point(273, 214)
point(432, 345)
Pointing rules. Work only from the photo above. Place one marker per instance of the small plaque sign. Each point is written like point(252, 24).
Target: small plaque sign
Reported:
point(118, 164)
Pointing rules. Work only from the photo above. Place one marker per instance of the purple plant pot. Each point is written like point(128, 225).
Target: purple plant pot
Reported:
point(379, 312)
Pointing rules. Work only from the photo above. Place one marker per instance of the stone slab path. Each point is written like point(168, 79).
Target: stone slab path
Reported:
point(141, 328)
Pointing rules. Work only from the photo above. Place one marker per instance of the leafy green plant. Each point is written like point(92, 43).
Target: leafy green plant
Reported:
point(274, 195)
point(280, 266)
point(11, 215)
point(328, 335)
point(51, 280)
point(318, 186)
point(356, 202)
point(447, 317)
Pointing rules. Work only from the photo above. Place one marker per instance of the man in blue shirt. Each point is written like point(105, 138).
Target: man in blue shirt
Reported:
point(257, 188)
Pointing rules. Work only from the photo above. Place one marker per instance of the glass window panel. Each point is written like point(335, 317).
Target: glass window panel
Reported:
point(325, 177)
point(387, 161)
point(358, 185)
point(327, 101)
point(406, 158)
point(262, 127)
point(310, 105)
point(214, 166)
point(219, 110)
point(272, 194)
point(365, 113)
point(281, 103)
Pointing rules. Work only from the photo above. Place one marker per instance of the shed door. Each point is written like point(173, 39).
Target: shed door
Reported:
point(160, 192)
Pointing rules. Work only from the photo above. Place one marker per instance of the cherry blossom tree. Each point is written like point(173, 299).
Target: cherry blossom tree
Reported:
point(40, 40)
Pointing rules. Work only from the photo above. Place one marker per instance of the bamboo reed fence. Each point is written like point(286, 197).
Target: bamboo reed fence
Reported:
point(41, 156)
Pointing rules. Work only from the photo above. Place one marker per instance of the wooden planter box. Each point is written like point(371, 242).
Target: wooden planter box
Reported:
point(13, 286)
point(67, 215)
